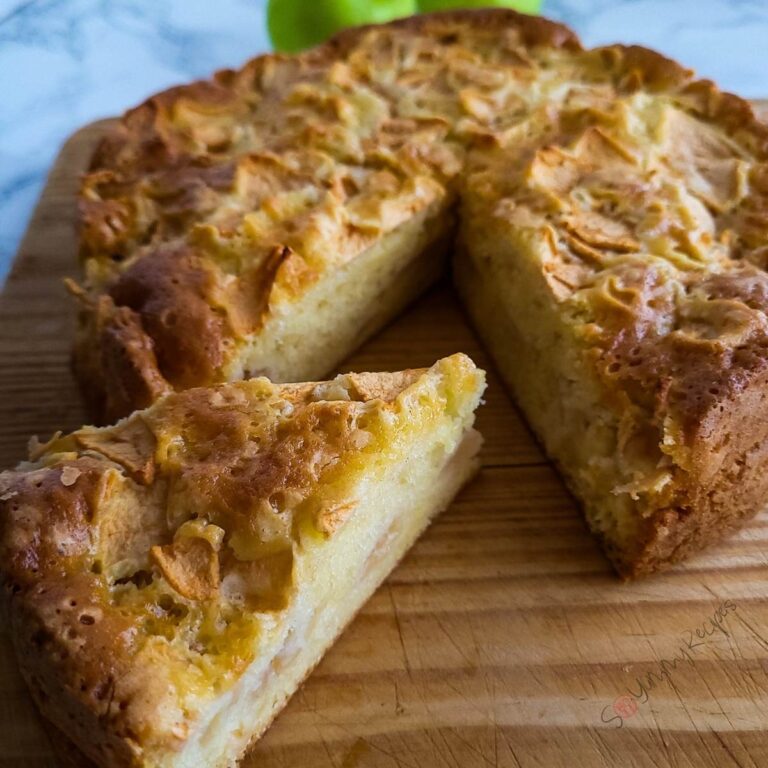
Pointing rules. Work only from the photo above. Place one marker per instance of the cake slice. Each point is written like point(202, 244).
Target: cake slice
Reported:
point(173, 578)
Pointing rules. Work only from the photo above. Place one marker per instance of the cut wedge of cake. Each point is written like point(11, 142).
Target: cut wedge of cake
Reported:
point(613, 220)
point(172, 579)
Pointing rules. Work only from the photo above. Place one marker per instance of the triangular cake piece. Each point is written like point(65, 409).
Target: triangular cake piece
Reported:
point(173, 578)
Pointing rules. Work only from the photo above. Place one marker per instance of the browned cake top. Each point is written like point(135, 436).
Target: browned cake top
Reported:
point(147, 562)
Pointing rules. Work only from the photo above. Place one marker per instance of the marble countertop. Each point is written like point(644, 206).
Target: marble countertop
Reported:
point(64, 63)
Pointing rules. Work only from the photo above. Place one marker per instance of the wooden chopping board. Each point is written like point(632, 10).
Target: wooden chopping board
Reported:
point(503, 639)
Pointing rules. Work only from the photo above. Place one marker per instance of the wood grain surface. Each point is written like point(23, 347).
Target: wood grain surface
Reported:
point(503, 639)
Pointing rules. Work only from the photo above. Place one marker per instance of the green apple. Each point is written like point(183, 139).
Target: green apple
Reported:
point(298, 24)
point(526, 6)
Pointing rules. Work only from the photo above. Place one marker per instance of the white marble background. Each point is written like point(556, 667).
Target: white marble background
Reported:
point(64, 63)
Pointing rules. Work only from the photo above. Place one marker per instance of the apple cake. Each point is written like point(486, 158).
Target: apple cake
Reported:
point(609, 212)
point(173, 578)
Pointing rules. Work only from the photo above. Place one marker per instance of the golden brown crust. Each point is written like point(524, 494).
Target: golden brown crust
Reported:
point(173, 293)
point(724, 483)
point(69, 660)
point(118, 351)
point(534, 31)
